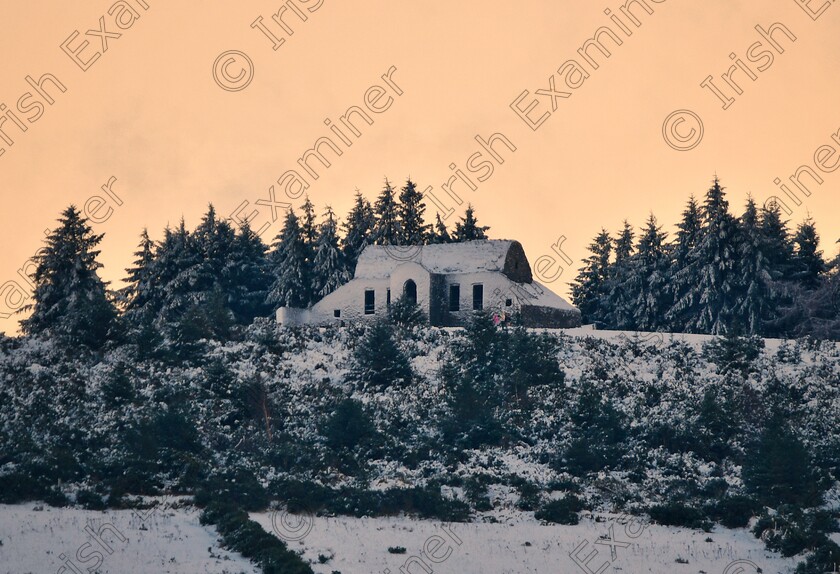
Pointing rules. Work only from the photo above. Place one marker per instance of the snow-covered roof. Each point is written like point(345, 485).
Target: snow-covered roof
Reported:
point(539, 295)
point(378, 261)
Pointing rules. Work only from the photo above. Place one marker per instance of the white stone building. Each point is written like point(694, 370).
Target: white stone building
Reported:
point(448, 281)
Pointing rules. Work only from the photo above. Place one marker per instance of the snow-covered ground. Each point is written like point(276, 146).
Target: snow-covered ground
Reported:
point(520, 545)
point(67, 540)
point(170, 540)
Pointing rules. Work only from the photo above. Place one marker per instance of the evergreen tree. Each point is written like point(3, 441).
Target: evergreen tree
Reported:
point(197, 300)
point(776, 242)
point(405, 313)
point(292, 278)
point(470, 378)
point(141, 297)
point(176, 256)
point(808, 259)
point(379, 362)
point(358, 230)
point(624, 244)
point(755, 297)
point(681, 276)
point(309, 230)
point(349, 426)
point(689, 230)
point(589, 287)
point(599, 429)
point(648, 283)
point(70, 300)
point(619, 300)
point(779, 470)
point(715, 426)
point(134, 294)
point(439, 233)
point(246, 276)
point(468, 228)
point(329, 270)
point(714, 264)
point(387, 228)
point(815, 312)
point(213, 242)
point(411, 210)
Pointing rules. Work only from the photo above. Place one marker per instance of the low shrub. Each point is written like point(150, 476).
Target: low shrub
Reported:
point(676, 514)
point(248, 538)
point(561, 511)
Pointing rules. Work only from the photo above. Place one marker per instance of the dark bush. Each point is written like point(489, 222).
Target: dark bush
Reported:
point(675, 514)
point(824, 559)
point(735, 511)
point(405, 313)
point(561, 511)
point(733, 353)
point(238, 486)
point(379, 361)
point(423, 502)
point(90, 500)
point(791, 530)
point(18, 487)
point(349, 426)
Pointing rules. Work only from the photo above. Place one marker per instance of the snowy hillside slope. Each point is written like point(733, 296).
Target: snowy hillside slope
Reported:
point(647, 424)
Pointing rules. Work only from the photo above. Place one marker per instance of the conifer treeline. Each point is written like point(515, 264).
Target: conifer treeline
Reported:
point(720, 275)
point(200, 284)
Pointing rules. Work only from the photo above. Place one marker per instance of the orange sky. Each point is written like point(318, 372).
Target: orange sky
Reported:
point(148, 112)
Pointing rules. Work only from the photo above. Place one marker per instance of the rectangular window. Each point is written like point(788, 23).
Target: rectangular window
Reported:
point(370, 302)
point(454, 297)
point(388, 298)
point(337, 313)
point(478, 297)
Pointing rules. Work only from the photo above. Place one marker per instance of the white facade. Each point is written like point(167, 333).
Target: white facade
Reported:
point(449, 282)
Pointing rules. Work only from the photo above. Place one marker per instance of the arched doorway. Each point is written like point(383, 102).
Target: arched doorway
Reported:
point(410, 291)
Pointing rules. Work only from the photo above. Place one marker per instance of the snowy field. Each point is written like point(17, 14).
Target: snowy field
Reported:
point(520, 545)
point(65, 541)
point(171, 541)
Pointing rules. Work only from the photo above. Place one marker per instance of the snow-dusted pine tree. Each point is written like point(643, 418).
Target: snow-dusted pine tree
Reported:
point(649, 279)
point(619, 302)
point(387, 228)
point(413, 231)
point(755, 293)
point(439, 232)
point(246, 276)
point(329, 270)
point(292, 285)
point(176, 256)
point(358, 230)
point(309, 230)
point(213, 242)
point(70, 300)
point(808, 259)
point(588, 288)
point(468, 228)
point(137, 279)
point(776, 241)
point(682, 273)
point(715, 260)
